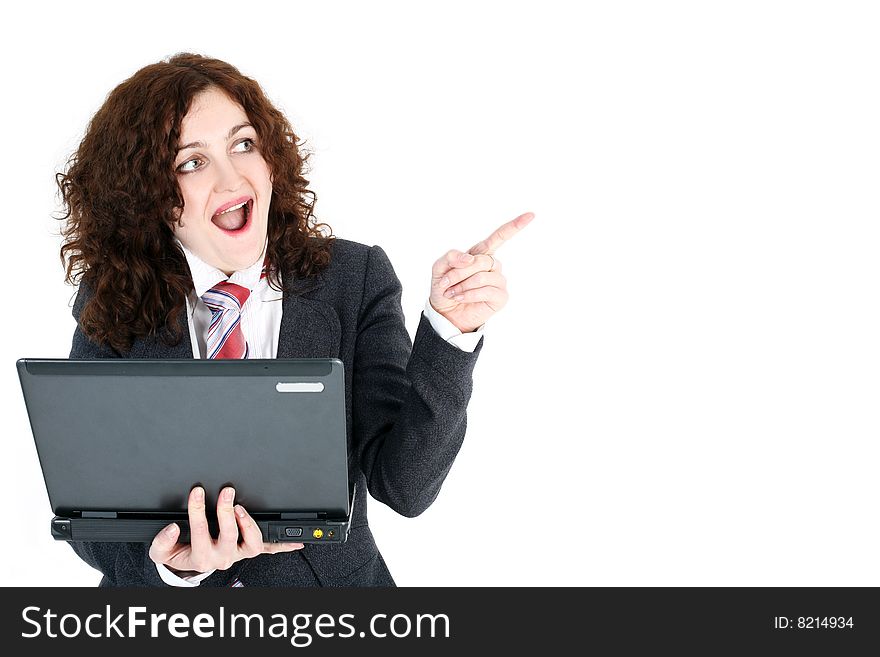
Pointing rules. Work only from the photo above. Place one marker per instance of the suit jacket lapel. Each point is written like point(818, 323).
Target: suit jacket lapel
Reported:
point(309, 328)
point(155, 347)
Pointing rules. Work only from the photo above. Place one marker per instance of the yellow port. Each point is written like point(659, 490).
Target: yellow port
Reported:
point(317, 533)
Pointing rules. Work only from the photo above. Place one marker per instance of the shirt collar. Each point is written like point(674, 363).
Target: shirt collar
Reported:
point(206, 276)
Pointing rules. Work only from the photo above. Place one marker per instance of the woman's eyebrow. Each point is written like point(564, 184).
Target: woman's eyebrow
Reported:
point(201, 144)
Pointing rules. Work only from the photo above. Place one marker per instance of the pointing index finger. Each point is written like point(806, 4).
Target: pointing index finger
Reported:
point(501, 235)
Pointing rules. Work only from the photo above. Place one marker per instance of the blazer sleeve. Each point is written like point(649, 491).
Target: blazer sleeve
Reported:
point(123, 564)
point(409, 399)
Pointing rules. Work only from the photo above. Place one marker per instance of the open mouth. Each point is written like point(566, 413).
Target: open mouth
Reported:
point(235, 218)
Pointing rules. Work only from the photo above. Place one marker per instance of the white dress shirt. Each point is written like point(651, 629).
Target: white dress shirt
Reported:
point(261, 326)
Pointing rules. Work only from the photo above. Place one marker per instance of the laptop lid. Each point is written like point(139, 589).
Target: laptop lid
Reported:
point(133, 436)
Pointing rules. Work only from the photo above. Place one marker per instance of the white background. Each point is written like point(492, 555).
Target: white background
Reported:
point(683, 387)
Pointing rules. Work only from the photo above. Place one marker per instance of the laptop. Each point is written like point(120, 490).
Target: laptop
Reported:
point(122, 442)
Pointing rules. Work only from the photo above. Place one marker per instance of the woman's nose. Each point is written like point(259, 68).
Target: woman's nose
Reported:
point(228, 177)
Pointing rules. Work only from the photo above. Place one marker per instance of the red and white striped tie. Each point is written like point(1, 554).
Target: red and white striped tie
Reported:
point(225, 338)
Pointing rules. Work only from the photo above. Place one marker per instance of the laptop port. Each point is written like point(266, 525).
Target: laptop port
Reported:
point(293, 532)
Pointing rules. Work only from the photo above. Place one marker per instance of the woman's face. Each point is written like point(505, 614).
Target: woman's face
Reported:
point(226, 184)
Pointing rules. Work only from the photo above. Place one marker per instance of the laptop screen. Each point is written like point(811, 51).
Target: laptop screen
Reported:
point(135, 435)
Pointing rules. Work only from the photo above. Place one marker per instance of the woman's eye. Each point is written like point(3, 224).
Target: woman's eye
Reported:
point(249, 143)
point(189, 165)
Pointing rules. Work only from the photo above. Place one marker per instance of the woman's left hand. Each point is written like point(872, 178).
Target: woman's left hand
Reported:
point(468, 288)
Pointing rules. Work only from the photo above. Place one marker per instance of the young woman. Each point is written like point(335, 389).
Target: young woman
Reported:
point(190, 231)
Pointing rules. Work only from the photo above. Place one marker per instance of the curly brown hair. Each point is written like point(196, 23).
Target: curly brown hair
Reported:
point(121, 198)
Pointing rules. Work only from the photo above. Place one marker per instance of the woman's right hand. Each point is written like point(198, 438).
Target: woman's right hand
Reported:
point(203, 553)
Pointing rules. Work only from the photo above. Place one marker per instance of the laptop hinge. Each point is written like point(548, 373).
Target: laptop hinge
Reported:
point(299, 516)
point(99, 514)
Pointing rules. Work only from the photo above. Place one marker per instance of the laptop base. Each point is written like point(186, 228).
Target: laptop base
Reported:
point(133, 530)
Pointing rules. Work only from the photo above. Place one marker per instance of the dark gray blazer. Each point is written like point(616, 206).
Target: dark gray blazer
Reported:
point(405, 408)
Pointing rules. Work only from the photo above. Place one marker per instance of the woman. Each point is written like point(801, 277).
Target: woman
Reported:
point(187, 193)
